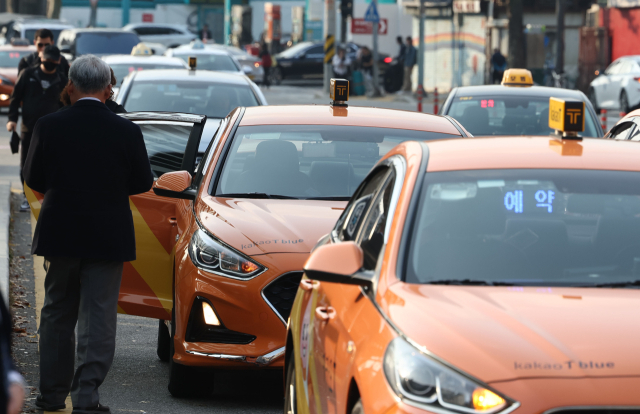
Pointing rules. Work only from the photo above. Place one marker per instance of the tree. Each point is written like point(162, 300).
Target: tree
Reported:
point(516, 58)
point(53, 8)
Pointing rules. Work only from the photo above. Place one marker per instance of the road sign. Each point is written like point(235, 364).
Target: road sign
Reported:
point(466, 6)
point(361, 26)
point(371, 15)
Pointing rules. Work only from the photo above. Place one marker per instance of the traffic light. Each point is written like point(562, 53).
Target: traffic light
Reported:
point(346, 8)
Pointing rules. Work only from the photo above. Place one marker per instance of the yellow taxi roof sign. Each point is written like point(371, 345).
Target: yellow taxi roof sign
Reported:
point(517, 77)
point(193, 62)
point(141, 50)
point(339, 92)
point(566, 116)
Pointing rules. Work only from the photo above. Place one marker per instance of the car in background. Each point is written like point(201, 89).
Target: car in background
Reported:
point(512, 108)
point(26, 28)
point(169, 35)
point(123, 65)
point(618, 86)
point(200, 92)
point(245, 59)
point(99, 42)
point(208, 58)
point(9, 58)
point(306, 61)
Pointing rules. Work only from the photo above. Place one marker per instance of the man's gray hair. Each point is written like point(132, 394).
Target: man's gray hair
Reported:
point(90, 74)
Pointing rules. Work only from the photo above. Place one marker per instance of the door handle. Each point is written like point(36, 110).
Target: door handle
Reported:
point(325, 313)
point(172, 220)
point(307, 284)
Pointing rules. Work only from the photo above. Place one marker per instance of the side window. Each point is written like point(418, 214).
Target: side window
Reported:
point(350, 221)
point(624, 67)
point(635, 134)
point(314, 52)
point(623, 131)
point(166, 142)
point(371, 237)
point(613, 68)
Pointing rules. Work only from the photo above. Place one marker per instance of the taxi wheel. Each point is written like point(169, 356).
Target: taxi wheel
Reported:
point(624, 102)
point(164, 342)
point(357, 409)
point(290, 395)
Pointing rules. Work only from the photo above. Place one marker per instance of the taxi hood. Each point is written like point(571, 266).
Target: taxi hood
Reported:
point(269, 226)
point(504, 333)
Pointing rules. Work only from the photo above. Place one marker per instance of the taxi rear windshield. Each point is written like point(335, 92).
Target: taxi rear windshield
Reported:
point(508, 115)
point(214, 100)
point(123, 69)
point(306, 161)
point(212, 62)
point(527, 227)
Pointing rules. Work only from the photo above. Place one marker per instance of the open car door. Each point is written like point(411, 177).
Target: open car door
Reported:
point(172, 141)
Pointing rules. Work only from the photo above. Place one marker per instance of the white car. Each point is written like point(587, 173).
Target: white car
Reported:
point(123, 65)
point(26, 29)
point(618, 87)
point(210, 58)
point(169, 35)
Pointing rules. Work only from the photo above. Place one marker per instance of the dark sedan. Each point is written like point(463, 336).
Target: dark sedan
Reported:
point(305, 61)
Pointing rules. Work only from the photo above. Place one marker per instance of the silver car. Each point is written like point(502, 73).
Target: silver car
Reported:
point(169, 35)
point(245, 59)
point(209, 58)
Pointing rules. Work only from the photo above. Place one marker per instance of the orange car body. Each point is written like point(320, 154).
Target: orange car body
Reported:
point(541, 348)
point(11, 57)
point(276, 233)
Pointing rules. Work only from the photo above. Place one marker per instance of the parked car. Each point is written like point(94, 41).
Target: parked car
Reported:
point(26, 28)
point(209, 58)
point(306, 61)
point(618, 86)
point(245, 59)
point(99, 42)
point(170, 35)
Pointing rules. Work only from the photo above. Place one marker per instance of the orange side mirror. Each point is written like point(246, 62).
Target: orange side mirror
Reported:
point(338, 263)
point(175, 184)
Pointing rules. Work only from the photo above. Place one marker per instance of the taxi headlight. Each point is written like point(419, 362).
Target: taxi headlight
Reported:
point(210, 255)
point(421, 380)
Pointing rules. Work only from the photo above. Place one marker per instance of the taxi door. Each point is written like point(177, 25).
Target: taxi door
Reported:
point(172, 143)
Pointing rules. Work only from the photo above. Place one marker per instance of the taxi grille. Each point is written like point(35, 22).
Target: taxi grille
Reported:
point(280, 294)
point(199, 331)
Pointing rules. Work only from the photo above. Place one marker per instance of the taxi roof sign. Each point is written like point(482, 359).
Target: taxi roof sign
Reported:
point(517, 77)
point(141, 50)
point(566, 116)
point(193, 62)
point(339, 92)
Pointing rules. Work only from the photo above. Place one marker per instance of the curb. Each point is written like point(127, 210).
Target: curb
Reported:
point(5, 220)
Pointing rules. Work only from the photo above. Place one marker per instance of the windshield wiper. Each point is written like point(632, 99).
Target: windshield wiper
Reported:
point(468, 282)
point(616, 284)
point(256, 195)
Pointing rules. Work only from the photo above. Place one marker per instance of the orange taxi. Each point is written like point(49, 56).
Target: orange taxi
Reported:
point(220, 249)
point(10, 56)
point(484, 275)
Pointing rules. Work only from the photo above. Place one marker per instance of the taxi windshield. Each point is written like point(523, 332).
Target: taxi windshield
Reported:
point(123, 69)
point(306, 161)
point(11, 58)
point(212, 62)
point(508, 115)
point(214, 100)
point(527, 227)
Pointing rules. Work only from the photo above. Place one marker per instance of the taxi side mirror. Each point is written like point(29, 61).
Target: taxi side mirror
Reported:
point(338, 263)
point(176, 184)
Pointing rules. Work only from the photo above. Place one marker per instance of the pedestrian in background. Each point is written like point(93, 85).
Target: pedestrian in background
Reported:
point(205, 34)
point(498, 66)
point(11, 382)
point(410, 58)
point(42, 39)
point(402, 49)
point(265, 61)
point(37, 91)
point(86, 161)
point(341, 64)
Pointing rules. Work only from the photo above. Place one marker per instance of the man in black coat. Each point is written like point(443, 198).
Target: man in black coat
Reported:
point(42, 39)
point(37, 91)
point(87, 161)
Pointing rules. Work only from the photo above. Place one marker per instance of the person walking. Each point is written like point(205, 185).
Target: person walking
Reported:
point(205, 34)
point(42, 39)
point(265, 61)
point(410, 57)
point(82, 280)
point(341, 64)
point(498, 66)
point(37, 91)
point(402, 49)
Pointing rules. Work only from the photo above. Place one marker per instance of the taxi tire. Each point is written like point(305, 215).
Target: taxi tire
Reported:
point(624, 102)
point(357, 409)
point(164, 342)
point(290, 401)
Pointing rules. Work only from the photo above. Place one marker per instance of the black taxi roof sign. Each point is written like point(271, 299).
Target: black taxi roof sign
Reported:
point(339, 92)
point(566, 116)
point(517, 77)
point(193, 62)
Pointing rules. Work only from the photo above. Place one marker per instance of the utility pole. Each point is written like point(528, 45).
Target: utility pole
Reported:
point(93, 17)
point(126, 6)
point(516, 36)
point(560, 10)
point(420, 90)
point(376, 73)
point(330, 41)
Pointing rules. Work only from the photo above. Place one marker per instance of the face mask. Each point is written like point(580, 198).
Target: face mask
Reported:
point(50, 65)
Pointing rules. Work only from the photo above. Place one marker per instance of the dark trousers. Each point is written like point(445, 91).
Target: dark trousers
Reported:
point(82, 291)
point(25, 141)
point(497, 76)
point(265, 80)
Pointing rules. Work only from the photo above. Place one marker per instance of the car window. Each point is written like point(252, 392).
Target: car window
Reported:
point(11, 58)
point(625, 67)
point(307, 161)
point(174, 31)
point(350, 221)
point(30, 34)
point(613, 68)
point(622, 132)
point(295, 49)
point(166, 142)
point(123, 69)
point(215, 100)
point(315, 51)
point(371, 237)
point(508, 115)
point(106, 43)
point(212, 62)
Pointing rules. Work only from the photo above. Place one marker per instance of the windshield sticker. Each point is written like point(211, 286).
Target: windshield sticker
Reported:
point(466, 98)
point(274, 241)
point(568, 365)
